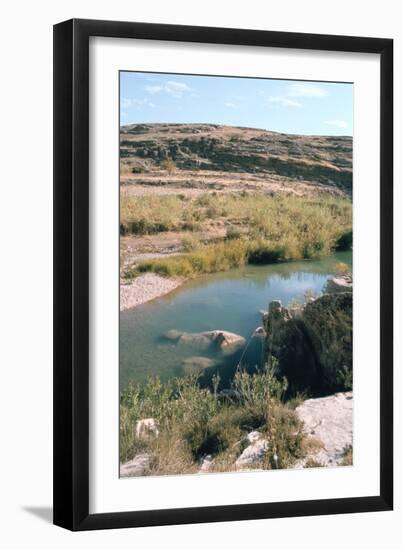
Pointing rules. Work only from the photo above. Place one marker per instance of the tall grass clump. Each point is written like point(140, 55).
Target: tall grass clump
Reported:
point(207, 259)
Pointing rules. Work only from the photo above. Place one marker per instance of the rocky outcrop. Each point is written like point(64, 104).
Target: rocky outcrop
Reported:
point(312, 345)
point(329, 422)
point(343, 283)
point(211, 147)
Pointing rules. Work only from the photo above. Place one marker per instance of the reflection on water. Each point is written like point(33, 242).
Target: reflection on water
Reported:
point(229, 301)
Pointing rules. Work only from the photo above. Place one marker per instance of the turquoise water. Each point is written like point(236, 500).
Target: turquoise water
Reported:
point(229, 301)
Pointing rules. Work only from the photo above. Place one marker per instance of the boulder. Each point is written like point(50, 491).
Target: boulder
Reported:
point(146, 427)
point(329, 420)
point(252, 437)
point(228, 342)
point(206, 464)
point(253, 454)
point(343, 283)
point(138, 466)
point(225, 341)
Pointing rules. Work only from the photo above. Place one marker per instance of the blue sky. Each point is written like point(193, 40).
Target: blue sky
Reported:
point(295, 107)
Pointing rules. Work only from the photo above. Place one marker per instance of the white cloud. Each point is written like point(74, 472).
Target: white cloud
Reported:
point(284, 101)
point(305, 89)
point(176, 88)
point(230, 105)
point(125, 103)
point(172, 87)
point(297, 90)
point(338, 123)
point(153, 88)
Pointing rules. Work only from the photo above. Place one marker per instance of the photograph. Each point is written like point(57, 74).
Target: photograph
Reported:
point(236, 285)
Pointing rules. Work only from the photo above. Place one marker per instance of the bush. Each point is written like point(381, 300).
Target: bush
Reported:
point(232, 232)
point(345, 241)
point(266, 254)
point(168, 165)
point(138, 170)
point(194, 421)
point(190, 243)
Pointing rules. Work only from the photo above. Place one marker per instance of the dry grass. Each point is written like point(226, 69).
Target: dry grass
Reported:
point(259, 229)
point(194, 422)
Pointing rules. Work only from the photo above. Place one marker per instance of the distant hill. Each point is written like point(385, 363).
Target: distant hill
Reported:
point(325, 160)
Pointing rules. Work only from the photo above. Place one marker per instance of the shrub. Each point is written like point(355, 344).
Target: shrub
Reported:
point(138, 170)
point(194, 421)
point(190, 243)
point(168, 165)
point(263, 253)
point(342, 268)
point(232, 232)
point(345, 241)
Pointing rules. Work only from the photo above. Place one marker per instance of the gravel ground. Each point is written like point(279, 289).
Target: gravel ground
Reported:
point(145, 288)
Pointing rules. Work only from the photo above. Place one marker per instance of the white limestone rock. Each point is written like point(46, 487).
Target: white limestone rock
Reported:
point(253, 454)
point(138, 466)
point(146, 427)
point(330, 421)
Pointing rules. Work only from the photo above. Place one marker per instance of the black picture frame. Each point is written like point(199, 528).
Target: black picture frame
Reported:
point(71, 274)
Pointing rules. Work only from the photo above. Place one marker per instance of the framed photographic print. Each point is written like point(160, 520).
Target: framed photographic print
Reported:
point(223, 321)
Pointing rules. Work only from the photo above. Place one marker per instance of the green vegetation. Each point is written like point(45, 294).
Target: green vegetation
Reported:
point(195, 421)
point(345, 241)
point(268, 229)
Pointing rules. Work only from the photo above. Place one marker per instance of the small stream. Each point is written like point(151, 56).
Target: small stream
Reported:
point(230, 301)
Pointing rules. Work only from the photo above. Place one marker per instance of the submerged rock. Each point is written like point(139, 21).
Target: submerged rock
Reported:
point(138, 466)
point(222, 339)
point(196, 363)
point(329, 420)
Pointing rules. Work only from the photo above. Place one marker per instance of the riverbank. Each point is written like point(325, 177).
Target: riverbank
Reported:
point(250, 427)
point(145, 288)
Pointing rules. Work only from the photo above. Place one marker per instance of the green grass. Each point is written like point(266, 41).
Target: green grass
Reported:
point(195, 421)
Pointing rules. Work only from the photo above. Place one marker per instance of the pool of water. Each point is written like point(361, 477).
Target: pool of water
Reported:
point(230, 301)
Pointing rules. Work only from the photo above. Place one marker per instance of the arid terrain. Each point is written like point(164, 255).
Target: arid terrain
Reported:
point(188, 184)
point(225, 158)
point(199, 199)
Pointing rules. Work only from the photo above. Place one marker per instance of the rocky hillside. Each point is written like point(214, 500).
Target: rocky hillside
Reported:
point(321, 160)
